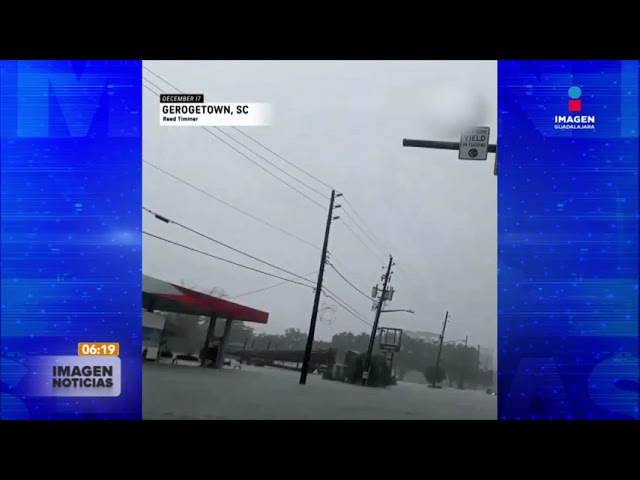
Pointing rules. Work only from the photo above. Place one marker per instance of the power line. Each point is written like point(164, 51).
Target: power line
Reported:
point(267, 288)
point(343, 304)
point(252, 139)
point(243, 212)
point(372, 236)
point(368, 231)
point(335, 259)
point(282, 158)
point(330, 294)
point(273, 164)
point(349, 282)
point(368, 237)
point(360, 239)
point(192, 230)
point(249, 158)
point(224, 259)
point(258, 219)
point(267, 171)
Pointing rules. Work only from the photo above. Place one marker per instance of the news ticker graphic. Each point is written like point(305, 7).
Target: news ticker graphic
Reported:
point(71, 172)
point(568, 240)
point(190, 110)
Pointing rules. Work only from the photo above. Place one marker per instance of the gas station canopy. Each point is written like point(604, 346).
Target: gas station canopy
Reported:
point(162, 296)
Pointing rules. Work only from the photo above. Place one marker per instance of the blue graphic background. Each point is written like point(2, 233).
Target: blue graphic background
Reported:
point(568, 242)
point(71, 158)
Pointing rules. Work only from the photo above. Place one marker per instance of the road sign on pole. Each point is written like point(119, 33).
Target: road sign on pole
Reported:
point(474, 144)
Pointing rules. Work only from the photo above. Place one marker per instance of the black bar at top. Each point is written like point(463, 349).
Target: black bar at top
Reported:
point(439, 145)
point(181, 98)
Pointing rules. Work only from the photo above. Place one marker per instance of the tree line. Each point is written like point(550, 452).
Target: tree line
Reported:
point(459, 364)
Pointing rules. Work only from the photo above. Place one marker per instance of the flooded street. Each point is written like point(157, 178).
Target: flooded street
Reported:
point(175, 393)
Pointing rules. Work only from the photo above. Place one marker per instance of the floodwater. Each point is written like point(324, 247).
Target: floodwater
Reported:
point(172, 392)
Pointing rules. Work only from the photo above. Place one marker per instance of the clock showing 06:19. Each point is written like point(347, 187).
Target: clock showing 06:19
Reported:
point(95, 349)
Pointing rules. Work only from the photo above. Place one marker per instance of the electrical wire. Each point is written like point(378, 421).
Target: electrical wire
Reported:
point(250, 215)
point(255, 141)
point(267, 171)
point(192, 230)
point(323, 195)
point(275, 166)
point(247, 214)
point(357, 237)
point(373, 237)
point(379, 251)
point(366, 230)
point(282, 158)
point(349, 282)
point(186, 247)
point(268, 288)
point(329, 294)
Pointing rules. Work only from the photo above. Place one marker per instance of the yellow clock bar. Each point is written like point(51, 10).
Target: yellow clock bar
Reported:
point(94, 349)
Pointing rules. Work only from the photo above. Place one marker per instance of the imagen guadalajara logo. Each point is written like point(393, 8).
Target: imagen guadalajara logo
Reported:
point(575, 120)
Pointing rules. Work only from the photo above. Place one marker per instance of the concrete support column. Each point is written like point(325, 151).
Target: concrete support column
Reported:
point(223, 343)
point(209, 336)
point(211, 332)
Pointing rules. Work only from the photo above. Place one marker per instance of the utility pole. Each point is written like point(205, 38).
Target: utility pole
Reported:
point(444, 327)
point(374, 328)
point(464, 363)
point(477, 369)
point(316, 301)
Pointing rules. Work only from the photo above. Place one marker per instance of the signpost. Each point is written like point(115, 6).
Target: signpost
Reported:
point(390, 339)
point(474, 144)
point(390, 343)
point(495, 165)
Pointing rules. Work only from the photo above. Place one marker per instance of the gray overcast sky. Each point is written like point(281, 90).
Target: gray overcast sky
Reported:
point(342, 121)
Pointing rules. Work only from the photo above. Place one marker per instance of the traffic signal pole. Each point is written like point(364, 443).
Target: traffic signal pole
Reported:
point(448, 146)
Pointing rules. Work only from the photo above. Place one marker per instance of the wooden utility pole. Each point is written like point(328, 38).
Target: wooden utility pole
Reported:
point(464, 362)
point(444, 327)
point(316, 301)
point(374, 328)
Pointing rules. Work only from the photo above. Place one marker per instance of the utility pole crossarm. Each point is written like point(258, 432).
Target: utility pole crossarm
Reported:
point(439, 145)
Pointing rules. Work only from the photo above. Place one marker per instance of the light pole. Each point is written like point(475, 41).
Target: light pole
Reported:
point(397, 310)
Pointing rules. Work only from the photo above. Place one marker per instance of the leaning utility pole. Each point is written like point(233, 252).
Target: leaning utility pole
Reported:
point(444, 327)
point(374, 328)
point(464, 362)
point(475, 387)
point(316, 301)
